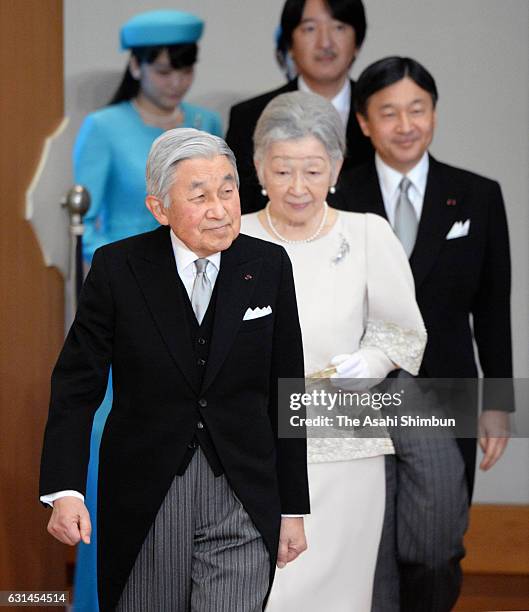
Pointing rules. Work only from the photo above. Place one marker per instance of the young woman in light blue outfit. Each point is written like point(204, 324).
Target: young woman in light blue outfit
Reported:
point(110, 155)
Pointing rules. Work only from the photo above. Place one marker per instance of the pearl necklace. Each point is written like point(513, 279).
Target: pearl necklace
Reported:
point(310, 238)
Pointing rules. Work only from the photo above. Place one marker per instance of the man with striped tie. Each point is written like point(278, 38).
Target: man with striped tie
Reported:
point(199, 497)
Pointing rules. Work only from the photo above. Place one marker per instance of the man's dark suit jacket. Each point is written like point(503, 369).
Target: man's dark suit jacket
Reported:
point(132, 316)
point(458, 277)
point(244, 116)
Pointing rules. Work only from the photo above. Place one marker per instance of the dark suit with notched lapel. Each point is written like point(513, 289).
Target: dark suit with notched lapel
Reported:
point(244, 116)
point(454, 278)
point(132, 315)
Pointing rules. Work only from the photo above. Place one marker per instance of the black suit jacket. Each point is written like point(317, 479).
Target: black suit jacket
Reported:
point(457, 278)
point(132, 316)
point(244, 116)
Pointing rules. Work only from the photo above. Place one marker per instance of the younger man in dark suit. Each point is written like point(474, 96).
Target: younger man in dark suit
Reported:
point(452, 224)
point(323, 38)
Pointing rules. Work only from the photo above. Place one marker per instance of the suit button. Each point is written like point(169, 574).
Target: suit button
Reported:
point(201, 362)
point(200, 425)
point(202, 402)
point(201, 341)
point(192, 444)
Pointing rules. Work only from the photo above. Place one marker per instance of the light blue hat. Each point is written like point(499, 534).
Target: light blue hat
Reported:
point(158, 28)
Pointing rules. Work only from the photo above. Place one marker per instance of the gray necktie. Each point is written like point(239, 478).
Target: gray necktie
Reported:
point(202, 289)
point(406, 223)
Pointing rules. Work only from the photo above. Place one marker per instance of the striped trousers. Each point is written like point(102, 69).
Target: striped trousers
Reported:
point(418, 567)
point(202, 553)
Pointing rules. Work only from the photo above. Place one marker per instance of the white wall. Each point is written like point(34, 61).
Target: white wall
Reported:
point(478, 51)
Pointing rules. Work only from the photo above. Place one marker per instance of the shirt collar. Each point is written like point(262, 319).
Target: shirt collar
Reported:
point(390, 178)
point(184, 256)
point(341, 101)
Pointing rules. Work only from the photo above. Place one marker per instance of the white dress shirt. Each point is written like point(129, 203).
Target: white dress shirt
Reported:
point(341, 101)
point(389, 180)
point(185, 259)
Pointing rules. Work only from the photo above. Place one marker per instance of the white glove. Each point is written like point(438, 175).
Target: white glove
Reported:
point(349, 366)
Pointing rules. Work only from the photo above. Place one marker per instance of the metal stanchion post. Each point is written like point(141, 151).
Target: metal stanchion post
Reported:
point(77, 202)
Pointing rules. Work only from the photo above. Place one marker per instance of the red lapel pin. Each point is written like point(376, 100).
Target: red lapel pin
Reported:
point(248, 277)
point(451, 202)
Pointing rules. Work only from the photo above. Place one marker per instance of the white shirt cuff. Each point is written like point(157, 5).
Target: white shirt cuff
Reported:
point(292, 516)
point(49, 499)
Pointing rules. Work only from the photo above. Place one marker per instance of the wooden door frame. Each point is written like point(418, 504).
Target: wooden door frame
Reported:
point(31, 325)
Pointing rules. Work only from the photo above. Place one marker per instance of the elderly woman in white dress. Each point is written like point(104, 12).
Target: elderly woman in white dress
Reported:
point(358, 313)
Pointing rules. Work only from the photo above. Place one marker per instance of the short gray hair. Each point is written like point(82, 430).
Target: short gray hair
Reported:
point(295, 115)
point(175, 146)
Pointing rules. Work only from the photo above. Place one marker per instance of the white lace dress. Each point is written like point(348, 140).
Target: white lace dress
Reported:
point(355, 291)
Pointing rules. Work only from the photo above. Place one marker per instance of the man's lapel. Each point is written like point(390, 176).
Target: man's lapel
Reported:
point(437, 218)
point(437, 215)
point(156, 273)
point(236, 282)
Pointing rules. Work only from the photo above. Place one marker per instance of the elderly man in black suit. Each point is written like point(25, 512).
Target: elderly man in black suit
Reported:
point(323, 38)
point(198, 323)
point(452, 225)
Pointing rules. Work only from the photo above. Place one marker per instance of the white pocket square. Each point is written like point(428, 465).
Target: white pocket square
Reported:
point(256, 313)
point(458, 230)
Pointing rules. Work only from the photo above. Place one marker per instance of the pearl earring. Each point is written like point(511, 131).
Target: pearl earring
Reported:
point(264, 192)
point(332, 189)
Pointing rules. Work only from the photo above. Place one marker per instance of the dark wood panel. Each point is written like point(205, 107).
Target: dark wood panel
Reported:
point(497, 541)
point(31, 321)
point(483, 593)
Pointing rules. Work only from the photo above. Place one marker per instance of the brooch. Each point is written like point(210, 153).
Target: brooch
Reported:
point(343, 249)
